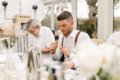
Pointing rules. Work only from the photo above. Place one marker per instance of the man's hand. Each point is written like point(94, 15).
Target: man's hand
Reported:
point(53, 47)
point(69, 64)
point(66, 50)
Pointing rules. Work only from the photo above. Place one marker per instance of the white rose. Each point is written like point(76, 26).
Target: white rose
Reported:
point(89, 57)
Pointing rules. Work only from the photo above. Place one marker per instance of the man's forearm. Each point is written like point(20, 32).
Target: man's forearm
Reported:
point(46, 50)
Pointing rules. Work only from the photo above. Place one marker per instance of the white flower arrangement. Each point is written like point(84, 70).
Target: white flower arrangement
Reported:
point(107, 51)
point(96, 60)
point(9, 29)
point(89, 58)
point(12, 31)
point(115, 65)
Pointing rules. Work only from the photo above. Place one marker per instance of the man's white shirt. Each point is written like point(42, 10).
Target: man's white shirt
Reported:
point(69, 42)
point(44, 39)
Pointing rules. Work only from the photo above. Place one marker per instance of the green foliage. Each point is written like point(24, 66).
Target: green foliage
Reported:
point(5, 42)
point(102, 75)
point(115, 2)
point(93, 78)
point(88, 26)
point(116, 23)
point(91, 2)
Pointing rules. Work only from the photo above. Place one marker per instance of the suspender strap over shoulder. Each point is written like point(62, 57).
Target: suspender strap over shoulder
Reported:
point(76, 38)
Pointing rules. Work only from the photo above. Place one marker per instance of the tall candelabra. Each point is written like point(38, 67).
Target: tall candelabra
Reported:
point(4, 4)
point(35, 7)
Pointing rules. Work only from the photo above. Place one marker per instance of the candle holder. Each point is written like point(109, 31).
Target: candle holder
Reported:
point(35, 7)
point(4, 4)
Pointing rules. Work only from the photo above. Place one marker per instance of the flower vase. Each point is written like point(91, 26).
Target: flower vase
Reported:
point(9, 60)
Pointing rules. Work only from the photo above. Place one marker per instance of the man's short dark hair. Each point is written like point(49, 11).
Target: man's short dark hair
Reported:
point(65, 15)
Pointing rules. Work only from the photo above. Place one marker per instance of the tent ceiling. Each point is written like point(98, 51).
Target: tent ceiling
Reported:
point(48, 2)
